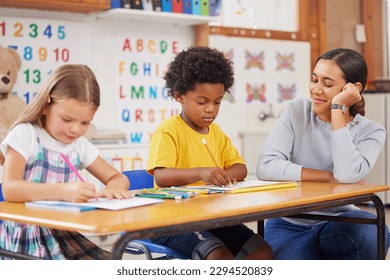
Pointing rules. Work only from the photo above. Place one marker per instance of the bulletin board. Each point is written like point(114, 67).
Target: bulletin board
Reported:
point(43, 45)
point(268, 74)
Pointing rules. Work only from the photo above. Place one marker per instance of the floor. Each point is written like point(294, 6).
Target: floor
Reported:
point(106, 241)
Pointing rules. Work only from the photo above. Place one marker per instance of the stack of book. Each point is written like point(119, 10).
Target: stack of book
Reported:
point(243, 186)
point(193, 7)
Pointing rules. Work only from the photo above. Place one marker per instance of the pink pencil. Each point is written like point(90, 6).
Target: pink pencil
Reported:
point(72, 167)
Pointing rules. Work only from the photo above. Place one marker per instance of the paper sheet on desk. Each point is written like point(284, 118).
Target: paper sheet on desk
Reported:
point(249, 186)
point(101, 203)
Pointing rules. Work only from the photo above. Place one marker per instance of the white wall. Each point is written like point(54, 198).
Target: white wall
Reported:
point(261, 14)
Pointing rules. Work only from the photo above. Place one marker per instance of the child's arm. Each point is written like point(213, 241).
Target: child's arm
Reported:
point(117, 184)
point(237, 171)
point(166, 177)
point(16, 189)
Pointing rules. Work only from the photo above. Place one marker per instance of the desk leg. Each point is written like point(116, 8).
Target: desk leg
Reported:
point(380, 213)
point(260, 228)
point(120, 245)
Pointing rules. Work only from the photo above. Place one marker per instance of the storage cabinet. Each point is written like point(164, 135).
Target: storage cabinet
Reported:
point(378, 109)
point(76, 6)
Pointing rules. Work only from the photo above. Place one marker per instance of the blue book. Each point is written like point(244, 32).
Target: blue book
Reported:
point(195, 7)
point(54, 205)
point(187, 6)
point(166, 6)
point(214, 6)
point(115, 4)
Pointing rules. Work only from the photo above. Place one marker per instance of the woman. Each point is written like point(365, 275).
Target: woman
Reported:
point(326, 139)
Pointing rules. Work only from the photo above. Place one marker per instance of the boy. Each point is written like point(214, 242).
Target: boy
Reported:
point(198, 79)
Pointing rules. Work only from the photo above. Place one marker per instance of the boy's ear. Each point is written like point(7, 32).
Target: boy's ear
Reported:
point(178, 97)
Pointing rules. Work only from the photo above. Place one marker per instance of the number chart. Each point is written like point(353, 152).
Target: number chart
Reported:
point(43, 45)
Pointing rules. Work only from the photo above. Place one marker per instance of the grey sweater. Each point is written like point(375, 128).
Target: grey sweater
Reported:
point(301, 139)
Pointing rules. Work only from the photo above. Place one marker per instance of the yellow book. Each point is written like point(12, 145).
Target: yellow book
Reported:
point(249, 186)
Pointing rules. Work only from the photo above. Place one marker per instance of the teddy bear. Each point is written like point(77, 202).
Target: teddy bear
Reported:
point(11, 105)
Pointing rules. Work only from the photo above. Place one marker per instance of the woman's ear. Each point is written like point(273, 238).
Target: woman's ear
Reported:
point(359, 86)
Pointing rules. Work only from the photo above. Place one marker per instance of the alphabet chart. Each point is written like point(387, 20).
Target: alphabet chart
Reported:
point(141, 98)
point(43, 45)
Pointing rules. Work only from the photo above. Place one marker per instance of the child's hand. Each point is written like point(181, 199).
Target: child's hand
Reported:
point(79, 192)
point(118, 194)
point(216, 176)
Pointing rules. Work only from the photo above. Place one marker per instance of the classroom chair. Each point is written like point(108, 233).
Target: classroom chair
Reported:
point(140, 179)
point(1, 194)
point(1, 199)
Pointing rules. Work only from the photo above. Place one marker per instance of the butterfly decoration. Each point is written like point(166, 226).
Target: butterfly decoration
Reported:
point(254, 60)
point(286, 92)
point(255, 93)
point(285, 61)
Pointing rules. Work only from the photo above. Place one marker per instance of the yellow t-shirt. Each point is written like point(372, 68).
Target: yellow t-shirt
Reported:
point(175, 145)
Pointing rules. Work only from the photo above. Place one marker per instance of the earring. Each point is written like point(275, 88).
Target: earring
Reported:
point(49, 100)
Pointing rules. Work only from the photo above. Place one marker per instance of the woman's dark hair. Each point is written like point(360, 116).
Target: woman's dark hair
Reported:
point(198, 64)
point(354, 67)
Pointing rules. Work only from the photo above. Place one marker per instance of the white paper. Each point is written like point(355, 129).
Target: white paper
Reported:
point(109, 204)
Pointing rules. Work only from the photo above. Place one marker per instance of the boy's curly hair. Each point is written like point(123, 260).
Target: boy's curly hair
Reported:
point(198, 64)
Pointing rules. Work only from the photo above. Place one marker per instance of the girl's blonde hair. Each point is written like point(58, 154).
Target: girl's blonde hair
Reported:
point(74, 81)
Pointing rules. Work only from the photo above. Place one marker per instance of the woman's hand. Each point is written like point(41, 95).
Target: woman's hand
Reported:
point(349, 96)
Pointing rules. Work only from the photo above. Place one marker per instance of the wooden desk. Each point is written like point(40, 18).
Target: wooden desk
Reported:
point(206, 212)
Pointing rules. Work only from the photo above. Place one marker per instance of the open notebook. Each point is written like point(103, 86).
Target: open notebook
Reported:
point(101, 203)
point(247, 186)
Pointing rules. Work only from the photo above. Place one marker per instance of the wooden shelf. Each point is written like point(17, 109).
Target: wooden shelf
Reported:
point(141, 16)
point(43, 14)
point(78, 6)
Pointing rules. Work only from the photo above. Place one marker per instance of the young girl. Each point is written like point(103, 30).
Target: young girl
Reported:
point(198, 79)
point(54, 124)
point(325, 139)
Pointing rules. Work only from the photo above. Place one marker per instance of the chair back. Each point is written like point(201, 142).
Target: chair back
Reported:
point(1, 194)
point(139, 179)
point(1, 199)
